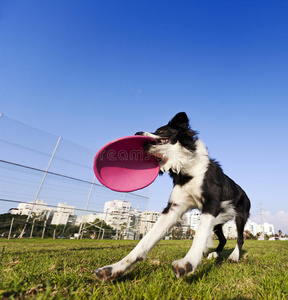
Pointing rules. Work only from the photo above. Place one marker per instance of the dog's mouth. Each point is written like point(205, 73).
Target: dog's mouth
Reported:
point(162, 141)
point(151, 147)
point(157, 142)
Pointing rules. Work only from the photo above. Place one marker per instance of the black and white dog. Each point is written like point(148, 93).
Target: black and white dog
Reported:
point(199, 182)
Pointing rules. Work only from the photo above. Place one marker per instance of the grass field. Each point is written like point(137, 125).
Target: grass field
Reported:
point(63, 269)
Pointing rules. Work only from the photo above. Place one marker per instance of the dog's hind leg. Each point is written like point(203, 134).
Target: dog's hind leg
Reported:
point(170, 216)
point(240, 223)
point(222, 241)
point(240, 220)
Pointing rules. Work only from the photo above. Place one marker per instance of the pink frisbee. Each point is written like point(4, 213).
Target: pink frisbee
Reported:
point(124, 166)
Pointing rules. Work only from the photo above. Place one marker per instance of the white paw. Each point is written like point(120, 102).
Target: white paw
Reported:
point(109, 272)
point(234, 256)
point(213, 255)
point(182, 267)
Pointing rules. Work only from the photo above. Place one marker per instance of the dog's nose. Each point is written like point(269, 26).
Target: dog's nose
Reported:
point(139, 133)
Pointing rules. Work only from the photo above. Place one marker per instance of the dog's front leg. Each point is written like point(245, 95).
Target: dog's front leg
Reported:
point(189, 263)
point(171, 216)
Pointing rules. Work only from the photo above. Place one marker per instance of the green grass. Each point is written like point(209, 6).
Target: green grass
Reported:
point(63, 269)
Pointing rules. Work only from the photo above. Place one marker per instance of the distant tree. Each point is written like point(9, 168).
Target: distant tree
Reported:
point(177, 233)
point(190, 233)
point(5, 223)
point(109, 231)
point(249, 236)
point(71, 230)
point(280, 232)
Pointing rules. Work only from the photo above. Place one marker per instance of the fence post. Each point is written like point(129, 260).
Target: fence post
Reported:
point(100, 230)
point(11, 220)
point(31, 233)
point(145, 224)
point(40, 187)
point(83, 218)
point(44, 227)
point(45, 222)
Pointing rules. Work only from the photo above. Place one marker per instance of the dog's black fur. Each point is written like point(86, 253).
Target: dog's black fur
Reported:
point(217, 187)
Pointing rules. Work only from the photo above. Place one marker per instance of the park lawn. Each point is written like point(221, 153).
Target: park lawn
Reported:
point(63, 269)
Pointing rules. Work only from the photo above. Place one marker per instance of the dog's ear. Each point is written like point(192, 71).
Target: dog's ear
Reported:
point(180, 120)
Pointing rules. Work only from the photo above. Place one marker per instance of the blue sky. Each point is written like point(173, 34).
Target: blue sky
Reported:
point(94, 71)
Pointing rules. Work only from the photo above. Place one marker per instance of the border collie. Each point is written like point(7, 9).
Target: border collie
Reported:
point(199, 182)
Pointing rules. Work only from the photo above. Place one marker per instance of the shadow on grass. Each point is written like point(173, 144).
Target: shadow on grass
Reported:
point(226, 253)
point(198, 275)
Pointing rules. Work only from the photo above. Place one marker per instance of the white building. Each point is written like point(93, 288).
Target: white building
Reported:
point(251, 227)
point(266, 228)
point(88, 219)
point(39, 207)
point(147, 220)
point(116, 213)
point(64, 215)
point(230, 230)
point(192, 219)
point(120, 216)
